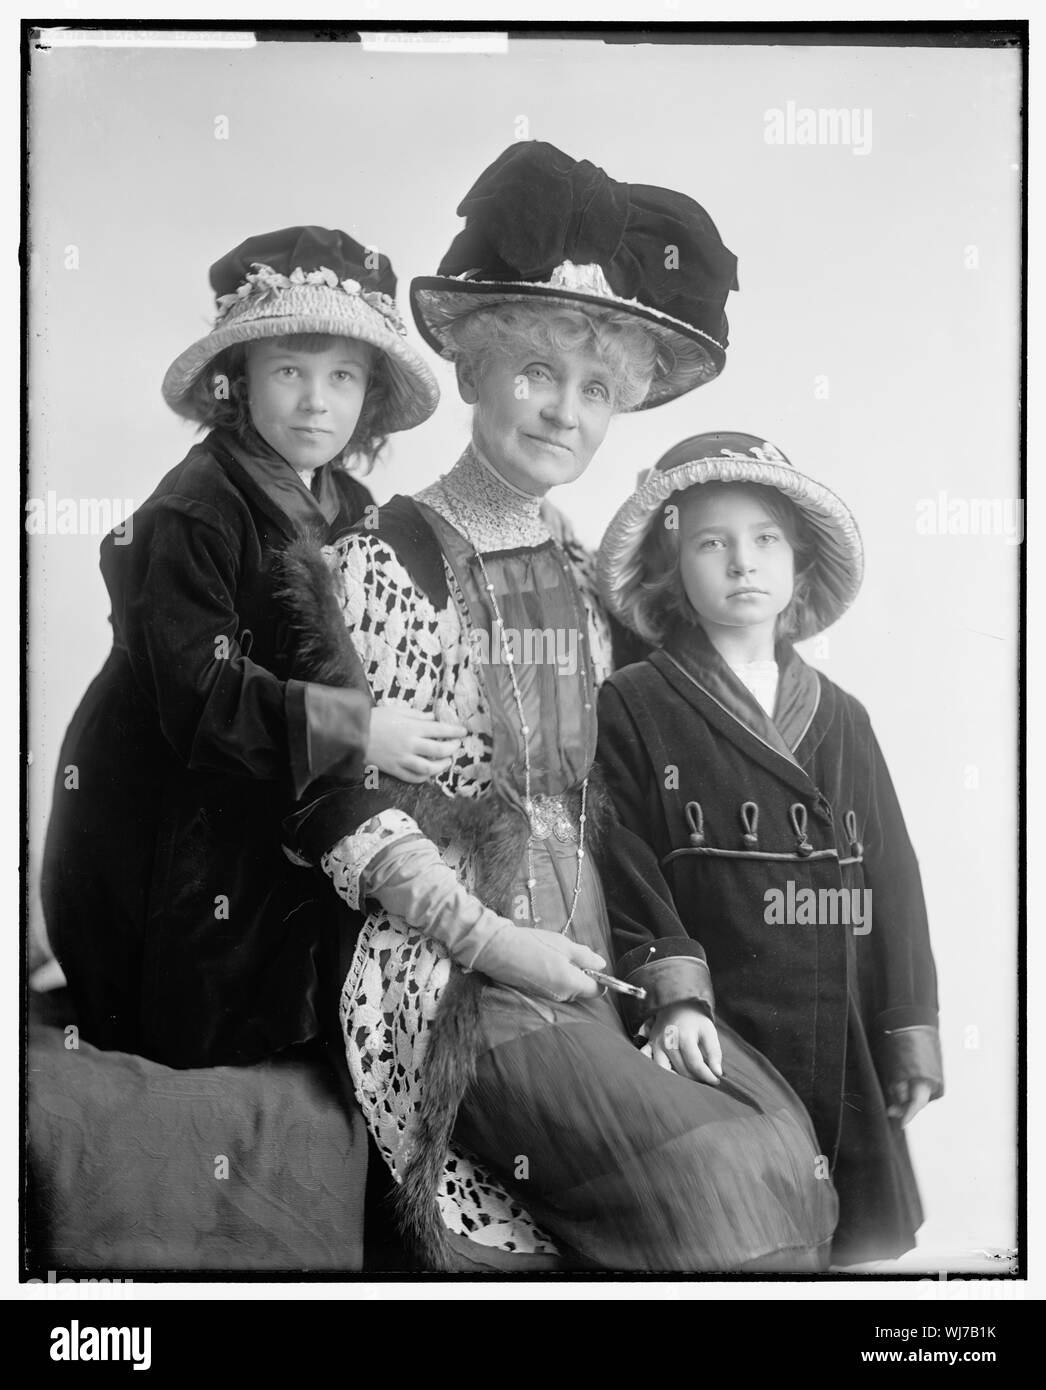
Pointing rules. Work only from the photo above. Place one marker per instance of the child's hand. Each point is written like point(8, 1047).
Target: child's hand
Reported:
point(559, 527)
point(684, 1039)
point(410, 745)
point(907, 1099)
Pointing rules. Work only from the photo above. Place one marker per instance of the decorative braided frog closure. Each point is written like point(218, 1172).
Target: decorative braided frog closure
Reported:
point(748, 820)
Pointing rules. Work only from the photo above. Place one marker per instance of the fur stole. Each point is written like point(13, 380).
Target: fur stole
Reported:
point(321, 648)
point(492, 831)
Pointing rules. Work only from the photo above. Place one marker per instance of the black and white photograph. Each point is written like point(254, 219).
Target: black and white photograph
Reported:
point(523, 544)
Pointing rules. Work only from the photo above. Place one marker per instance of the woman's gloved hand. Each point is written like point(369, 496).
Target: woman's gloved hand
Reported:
point(539, 962)
point(410, 880)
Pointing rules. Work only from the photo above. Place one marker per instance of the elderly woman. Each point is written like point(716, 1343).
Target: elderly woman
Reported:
point(525, 1127)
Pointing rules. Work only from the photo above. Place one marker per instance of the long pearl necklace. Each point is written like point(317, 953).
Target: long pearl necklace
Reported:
point(509, 661)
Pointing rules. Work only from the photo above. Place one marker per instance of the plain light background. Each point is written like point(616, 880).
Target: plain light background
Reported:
point(892, 278)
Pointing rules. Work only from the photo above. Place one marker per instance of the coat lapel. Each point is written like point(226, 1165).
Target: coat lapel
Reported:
point(781, 764)
point(813, 735)
point(799, 694)
point(275, 489)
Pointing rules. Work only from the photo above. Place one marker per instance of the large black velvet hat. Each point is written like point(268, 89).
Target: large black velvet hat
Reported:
point(542, 226)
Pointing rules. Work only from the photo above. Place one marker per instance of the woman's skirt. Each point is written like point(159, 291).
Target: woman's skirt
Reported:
point(628, 1166)
point(570, 1138)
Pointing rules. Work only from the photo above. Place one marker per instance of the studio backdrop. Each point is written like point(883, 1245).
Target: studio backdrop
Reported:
point(872, 196)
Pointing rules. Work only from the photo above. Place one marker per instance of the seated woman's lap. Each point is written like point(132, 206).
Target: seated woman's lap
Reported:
point(628, 1165)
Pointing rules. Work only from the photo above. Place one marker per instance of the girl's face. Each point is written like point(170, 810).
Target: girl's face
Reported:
point(736, 563)
point(306, 404)
point(540, 418)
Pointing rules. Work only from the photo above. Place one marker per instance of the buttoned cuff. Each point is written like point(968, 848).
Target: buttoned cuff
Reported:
point(328, 728)
point(671, 972)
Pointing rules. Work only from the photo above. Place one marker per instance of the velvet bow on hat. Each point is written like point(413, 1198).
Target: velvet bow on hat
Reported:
point(304, 248)
point(540, 224)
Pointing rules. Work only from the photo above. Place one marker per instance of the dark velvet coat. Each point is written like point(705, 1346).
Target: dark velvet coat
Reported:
point(841, 1010)
point(186, 934)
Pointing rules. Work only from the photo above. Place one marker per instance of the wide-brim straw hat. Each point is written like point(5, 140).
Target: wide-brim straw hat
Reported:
point(309, 280)
point(542, 227)
point(835, 575)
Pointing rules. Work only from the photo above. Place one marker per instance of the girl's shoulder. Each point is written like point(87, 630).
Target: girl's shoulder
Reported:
point(637, 684)
point(638, 674)
point(199, 488)
point(199, 477)
point(839, 702)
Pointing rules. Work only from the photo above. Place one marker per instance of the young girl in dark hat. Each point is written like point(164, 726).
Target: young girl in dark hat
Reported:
point(762, 875)
point(523, 1128)
point(184, 931)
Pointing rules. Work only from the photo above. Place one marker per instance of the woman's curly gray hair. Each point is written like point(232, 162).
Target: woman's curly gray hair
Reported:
point(623, 345)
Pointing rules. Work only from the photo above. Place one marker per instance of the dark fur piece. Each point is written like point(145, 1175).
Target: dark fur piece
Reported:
point(450, 1068)
point(486, 826)
point(323, 648)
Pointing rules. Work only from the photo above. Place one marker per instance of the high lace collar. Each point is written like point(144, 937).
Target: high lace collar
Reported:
point(487, 510)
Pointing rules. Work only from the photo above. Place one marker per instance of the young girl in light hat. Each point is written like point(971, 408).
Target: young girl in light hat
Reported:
point(184, 932)
point(761, 849)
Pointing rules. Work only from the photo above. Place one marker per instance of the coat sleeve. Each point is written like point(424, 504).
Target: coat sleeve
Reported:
point(903, 1026)
point(394, 626)
point(651, 946)
point(220, 711)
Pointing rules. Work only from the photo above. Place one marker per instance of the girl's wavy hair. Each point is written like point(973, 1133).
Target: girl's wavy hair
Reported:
point(219, 397)
point(629, 352)
point(655, 600)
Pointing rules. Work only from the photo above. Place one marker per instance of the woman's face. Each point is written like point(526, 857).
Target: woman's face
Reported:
point(306, 404)
point(736, 563)
point(540, 415)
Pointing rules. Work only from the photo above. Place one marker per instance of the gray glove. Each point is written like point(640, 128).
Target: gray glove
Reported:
point(412, 882)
